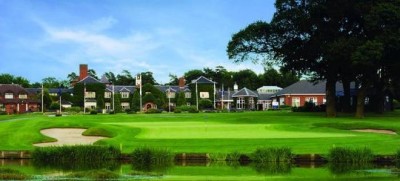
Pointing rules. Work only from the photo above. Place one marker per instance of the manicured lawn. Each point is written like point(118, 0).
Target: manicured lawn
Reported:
point(212, 132)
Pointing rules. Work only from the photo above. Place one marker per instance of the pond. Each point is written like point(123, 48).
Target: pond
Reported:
point(195, 171)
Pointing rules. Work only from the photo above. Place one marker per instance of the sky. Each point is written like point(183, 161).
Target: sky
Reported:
point(48, 38)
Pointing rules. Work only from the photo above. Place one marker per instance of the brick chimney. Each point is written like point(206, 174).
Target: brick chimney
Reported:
point(181, 82)
point(83, 71)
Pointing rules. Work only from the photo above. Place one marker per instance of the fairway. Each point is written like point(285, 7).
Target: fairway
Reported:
point(215, 130)
point(304, 133)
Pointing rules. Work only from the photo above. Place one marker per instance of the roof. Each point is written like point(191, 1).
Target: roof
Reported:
point(121, 88)
point(12, 88)
point(104, 80)
point(270, 87)
point(203, 80)
point(304, 87)
point(89, 80)
point(245, 92)
point(51, 90)
point(175, 88)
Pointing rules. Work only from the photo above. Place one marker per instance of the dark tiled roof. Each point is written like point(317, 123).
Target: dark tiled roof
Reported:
point(164, 88)
point(304, 87)
point(264, 96)
point(51, 90)
point(202, 80)
point(121, 88)
point(12, 88)
point(89, 80)
point(104, 80)
point(245, 92)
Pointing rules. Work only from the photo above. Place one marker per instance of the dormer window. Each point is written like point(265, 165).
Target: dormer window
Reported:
point(107, 94)
point(90, 94)
point(9, 96)
point(125, 95)
point(23, 96)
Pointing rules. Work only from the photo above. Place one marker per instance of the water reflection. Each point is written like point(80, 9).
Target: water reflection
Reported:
point(199, 170)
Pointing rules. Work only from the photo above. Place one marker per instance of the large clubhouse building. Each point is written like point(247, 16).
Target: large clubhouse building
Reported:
point(107, 97)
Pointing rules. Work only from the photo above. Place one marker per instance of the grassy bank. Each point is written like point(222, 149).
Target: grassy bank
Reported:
point(211, 133)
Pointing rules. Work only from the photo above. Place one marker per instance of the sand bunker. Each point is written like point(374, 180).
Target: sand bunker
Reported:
point(68, 136)
point(382, 131)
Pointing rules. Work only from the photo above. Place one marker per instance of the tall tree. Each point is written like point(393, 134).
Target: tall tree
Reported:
point(92, 73)
point(147, 78)
point(193, 74)
point(50, 82)
point(72, 76)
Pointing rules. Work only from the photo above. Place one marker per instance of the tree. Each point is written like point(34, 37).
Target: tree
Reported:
point(299, 37)
point(111, 77)
point(125, 78)
point(246, 78)
point(181, 100)
point(72, 77)
point(92, 73)
point(193, 74)
point(173, 79)
point(147, 78)
point(10, 79)
point(50, 82)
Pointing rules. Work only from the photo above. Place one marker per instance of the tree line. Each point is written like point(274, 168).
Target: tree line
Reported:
point(333, 40)
point(223, 77)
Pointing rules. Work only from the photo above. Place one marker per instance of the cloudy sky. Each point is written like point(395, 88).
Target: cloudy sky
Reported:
point(42, 38)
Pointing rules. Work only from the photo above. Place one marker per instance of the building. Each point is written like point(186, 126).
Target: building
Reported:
point(245, 98)
point(16, 99)
point(298, 93)
point(264, 101)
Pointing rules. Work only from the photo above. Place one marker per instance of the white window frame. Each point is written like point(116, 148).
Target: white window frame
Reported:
point(124, 95)
point(295, 101)
point(188, 95)
point(8, 96)
point(125, 105)
point(170, 95)
point(90, 94)
point(312, 99)
point(23, 96)
point(107, 94)
point(107, 106)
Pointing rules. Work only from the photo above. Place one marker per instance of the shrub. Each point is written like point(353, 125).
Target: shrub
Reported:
point(112, 112)
point(205, 104)
point(93, 112)
point(264, 155)
point(74, 154)
point(149, 159)
point(396, 104)
point(177, 110)
point(102, 174)
point(130, 111)
point(234, 156)
point(54, 106)
point(73, 110)
point(10, 174)
point(153, 111)
point(350, 155)
point(3, 113)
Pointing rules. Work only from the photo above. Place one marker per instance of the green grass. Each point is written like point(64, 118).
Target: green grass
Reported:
point(212, 133)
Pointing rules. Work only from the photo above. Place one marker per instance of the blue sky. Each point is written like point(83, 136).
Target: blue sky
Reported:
point(42, 38)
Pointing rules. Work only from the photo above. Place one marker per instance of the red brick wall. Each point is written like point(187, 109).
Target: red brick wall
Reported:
point(288, 99)
point(83, 71)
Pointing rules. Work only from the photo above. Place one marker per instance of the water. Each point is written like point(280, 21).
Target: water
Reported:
point(200, 171)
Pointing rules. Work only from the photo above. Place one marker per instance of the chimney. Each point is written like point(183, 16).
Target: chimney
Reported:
point(83, 71)
point(181, 82)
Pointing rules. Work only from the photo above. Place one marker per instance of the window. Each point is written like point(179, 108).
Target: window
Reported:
point(240, 103)
point(90, 94)
point(251, 102)
point(295, 101)
point(188, 95)
point(107, 94)
point(23, 96)
point(53, 94)
point(312, 99)
point(125, 95)
point(170, 94)
point(9, 96)
point(107, 106)
point(125, 105)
